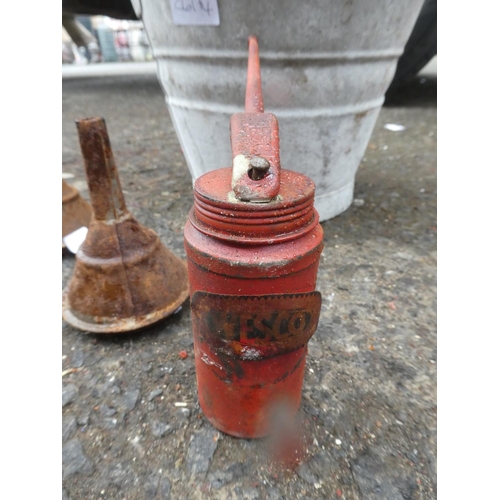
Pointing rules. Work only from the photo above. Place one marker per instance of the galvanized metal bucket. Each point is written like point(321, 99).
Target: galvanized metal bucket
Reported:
point(325, 66)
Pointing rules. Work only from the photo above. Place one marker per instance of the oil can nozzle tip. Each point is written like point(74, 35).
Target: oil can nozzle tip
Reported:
point(253, 98)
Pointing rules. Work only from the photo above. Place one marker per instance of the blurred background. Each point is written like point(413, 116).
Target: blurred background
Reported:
point(110, 32)
point(122, 42)
point(109, 40)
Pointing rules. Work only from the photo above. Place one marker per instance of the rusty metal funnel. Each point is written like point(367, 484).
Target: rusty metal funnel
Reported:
point(124, 277)
point(76, 212)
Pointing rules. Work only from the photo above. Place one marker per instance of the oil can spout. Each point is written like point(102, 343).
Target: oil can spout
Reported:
point(253, 99)
point(255, 141)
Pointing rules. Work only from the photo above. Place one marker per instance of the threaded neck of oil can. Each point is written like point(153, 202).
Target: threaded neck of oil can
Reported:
point(217, 213)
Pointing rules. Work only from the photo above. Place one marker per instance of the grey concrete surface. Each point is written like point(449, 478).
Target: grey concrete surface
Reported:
point(368, 412)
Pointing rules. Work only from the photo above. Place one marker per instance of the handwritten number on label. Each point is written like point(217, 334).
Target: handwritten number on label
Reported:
point(194, 6)
point(195, 12)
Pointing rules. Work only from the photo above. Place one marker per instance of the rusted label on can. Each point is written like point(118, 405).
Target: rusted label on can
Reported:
point(255, 327)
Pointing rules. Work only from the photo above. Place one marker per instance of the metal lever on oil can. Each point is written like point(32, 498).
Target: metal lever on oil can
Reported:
point(255, 141)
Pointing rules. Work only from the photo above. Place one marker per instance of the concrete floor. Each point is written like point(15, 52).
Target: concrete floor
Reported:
point(369, 397)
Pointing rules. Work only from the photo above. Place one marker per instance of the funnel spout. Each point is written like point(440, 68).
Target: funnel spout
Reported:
point(105, 191)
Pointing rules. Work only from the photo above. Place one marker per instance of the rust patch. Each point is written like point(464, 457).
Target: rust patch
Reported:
point(359, 116)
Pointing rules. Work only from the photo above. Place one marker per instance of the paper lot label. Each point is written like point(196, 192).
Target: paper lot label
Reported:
point(195, 12)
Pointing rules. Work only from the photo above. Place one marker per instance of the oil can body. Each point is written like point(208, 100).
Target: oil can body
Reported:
point(253, 308)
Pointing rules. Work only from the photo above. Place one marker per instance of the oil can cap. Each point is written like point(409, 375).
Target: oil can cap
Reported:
point(255, 201)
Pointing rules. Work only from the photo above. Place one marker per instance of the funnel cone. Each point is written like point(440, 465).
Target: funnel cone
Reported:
point(76, 212)
point(124, 277)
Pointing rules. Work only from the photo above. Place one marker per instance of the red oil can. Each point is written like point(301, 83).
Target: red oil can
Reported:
point(253, 242)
